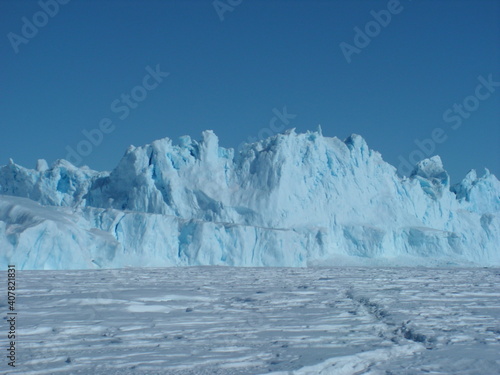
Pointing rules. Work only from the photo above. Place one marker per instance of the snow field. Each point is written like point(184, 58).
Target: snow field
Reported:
point(287, 321)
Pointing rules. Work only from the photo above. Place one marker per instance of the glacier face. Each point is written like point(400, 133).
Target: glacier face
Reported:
point(289, 200)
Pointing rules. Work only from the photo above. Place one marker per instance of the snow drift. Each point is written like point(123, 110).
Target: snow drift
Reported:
point(289, 200)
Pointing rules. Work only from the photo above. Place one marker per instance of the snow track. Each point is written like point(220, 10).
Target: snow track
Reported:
point(238, 321)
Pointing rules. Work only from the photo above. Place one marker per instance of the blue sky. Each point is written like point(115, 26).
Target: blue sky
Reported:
point(234, 75)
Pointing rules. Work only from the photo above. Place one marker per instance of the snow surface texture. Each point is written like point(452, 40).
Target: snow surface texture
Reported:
point(233, 321)
point(289, 200)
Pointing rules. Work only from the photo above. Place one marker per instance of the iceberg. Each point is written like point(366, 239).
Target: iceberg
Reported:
point(288, 200)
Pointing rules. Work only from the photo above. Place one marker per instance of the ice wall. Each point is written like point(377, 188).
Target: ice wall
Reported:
point(289, 200)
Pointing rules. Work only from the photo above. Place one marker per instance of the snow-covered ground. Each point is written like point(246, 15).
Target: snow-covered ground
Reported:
point(224, 320)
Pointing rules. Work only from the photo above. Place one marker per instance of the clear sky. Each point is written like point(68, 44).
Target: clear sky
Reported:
point(232, 69)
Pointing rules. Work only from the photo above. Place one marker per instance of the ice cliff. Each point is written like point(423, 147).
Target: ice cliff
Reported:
point(289, 200)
